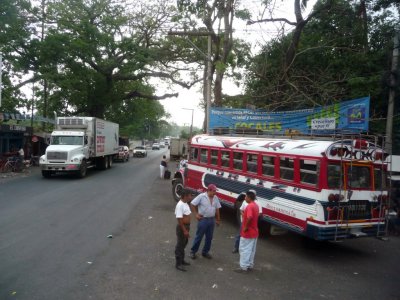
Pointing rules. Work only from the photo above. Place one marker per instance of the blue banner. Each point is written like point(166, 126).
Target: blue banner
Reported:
point(349, 116)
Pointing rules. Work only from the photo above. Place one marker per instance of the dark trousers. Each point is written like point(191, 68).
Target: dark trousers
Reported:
point(181, 242)
point(205, 227)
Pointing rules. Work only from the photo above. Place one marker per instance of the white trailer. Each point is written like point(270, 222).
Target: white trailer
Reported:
point(79, 143)
point(178, 148)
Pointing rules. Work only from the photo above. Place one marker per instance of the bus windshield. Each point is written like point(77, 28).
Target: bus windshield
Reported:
point(359, 177)
point(334, 176)
point(66, 140)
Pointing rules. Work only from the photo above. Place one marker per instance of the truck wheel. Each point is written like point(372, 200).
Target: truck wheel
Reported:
point(82, 169)
point(177, 188)
point(46, 174)
point(110, 162)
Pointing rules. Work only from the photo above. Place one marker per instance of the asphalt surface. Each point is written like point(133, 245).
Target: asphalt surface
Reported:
point(112, 236)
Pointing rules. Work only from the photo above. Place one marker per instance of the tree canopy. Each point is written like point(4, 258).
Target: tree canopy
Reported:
point(100, 57)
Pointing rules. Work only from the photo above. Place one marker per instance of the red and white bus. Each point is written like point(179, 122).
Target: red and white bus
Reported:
point(325, 190)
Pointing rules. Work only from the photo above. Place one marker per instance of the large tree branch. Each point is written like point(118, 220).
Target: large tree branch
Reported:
point(250, 22)
point(137, 94)
point(32, 79)
point(156, 74)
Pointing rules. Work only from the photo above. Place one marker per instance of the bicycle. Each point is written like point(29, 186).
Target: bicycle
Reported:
point(34, 161)
point(13, 164)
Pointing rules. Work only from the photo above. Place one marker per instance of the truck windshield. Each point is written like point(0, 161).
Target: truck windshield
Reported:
point(66, 140)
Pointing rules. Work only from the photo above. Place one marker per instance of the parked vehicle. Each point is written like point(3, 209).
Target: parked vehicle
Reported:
point(140, 151)
point(123, 154)
point(323, 189)
point(178, 148)
point(79, 143)
point(156, 146)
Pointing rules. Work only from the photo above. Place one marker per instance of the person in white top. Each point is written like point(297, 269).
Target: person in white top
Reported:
point(182, 214)
point(21, 153)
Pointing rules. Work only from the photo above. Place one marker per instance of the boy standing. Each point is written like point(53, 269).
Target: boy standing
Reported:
point(248, 234)
point(182, 213)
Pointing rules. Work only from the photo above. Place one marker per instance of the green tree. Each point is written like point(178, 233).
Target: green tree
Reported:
point(331, 63)
point(96, 57)
point(228, 53)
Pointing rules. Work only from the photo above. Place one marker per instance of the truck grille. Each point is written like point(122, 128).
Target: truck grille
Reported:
point(57, 155)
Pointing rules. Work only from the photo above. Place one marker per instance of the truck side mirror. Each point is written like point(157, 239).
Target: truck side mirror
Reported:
point(86, 140)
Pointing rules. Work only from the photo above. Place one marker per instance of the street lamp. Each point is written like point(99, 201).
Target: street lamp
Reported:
point(191, 124)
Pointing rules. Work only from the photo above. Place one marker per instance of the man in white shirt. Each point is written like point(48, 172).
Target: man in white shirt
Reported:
point(182, 213)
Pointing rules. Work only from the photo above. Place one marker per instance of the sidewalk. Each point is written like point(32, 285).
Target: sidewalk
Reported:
point(4, 177)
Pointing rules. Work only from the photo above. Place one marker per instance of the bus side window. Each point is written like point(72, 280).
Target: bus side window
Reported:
point(225, 156)
point(214, 157)
point(238, 160)
point(268, 165)
point(309, 170)
point(287, 168)
point(252, 163)
point(194, 153)
point(204, 156)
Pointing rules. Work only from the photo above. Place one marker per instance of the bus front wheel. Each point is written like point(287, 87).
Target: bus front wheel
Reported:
point(177, 188)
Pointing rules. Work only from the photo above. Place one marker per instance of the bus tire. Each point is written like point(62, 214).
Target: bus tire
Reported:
point(177, 188)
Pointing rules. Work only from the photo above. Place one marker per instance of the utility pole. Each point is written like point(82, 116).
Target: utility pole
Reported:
point(1, 73)
point(393, 84)
point(209, 80)
point(209, 66)
point(191, 124)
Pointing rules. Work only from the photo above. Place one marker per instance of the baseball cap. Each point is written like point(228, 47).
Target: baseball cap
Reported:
point(212, 187)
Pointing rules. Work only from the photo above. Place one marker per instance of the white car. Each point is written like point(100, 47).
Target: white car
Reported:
point(123, 153)
point(140, 151)
point(156, 146)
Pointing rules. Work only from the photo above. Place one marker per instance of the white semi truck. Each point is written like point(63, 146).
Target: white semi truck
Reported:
point(79, 143)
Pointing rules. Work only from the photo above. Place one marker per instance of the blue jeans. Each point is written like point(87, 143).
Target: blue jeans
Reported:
point(247, 251)
point(205, 226)
point(237, 237)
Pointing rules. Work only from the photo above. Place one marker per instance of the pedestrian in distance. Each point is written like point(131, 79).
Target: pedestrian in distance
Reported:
point(241, 201)
point(206, 209)
point(163, 166)
point(248, 234)
point(182, 214)
point(21, 153)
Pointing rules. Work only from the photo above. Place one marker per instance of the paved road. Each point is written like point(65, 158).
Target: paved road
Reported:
point(54, 245)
